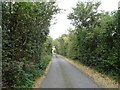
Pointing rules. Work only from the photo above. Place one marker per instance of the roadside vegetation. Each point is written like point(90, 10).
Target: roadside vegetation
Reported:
point(26, 46)
point(95, 41)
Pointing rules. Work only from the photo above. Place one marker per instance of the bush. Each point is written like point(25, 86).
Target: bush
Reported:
point(25, 29)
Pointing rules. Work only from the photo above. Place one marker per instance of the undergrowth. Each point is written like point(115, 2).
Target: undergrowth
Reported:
point(37, 71)
point(24, 77)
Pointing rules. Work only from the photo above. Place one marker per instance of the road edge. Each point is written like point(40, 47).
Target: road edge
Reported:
point(38, 81)
point(105, 82)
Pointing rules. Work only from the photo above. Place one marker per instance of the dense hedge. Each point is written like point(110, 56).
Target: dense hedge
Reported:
point(26, 53)
point(95, 40)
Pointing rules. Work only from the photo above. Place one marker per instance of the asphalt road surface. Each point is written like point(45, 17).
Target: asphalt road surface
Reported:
point(62, 74)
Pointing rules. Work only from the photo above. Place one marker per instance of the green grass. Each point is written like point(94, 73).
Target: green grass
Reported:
point(111, 75)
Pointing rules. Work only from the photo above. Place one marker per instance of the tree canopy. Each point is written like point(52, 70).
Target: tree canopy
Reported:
point(95, 39)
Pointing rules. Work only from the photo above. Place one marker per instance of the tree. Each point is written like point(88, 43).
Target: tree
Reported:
point(85, 15)
point(95, 39)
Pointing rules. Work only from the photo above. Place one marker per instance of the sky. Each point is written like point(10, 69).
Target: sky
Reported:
point(63, 24)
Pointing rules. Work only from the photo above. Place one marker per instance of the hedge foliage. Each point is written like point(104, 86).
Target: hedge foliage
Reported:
point(26, 47)
point(95, 41)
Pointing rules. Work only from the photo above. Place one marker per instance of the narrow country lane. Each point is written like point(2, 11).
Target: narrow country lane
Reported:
point(62, 74)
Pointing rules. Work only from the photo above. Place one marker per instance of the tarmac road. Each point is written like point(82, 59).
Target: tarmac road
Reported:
point(62, 74)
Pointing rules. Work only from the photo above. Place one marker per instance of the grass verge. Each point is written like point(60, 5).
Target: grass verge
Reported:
point(39, 80)
point(30, 77)
point(102, 80)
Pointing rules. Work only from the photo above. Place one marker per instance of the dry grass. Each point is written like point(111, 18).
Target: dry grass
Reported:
point(40, 79)
point(102, 80)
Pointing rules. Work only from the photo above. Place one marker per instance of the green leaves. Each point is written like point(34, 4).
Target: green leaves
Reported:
point(85, 15)
point(25, 29)
point(95, 40)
